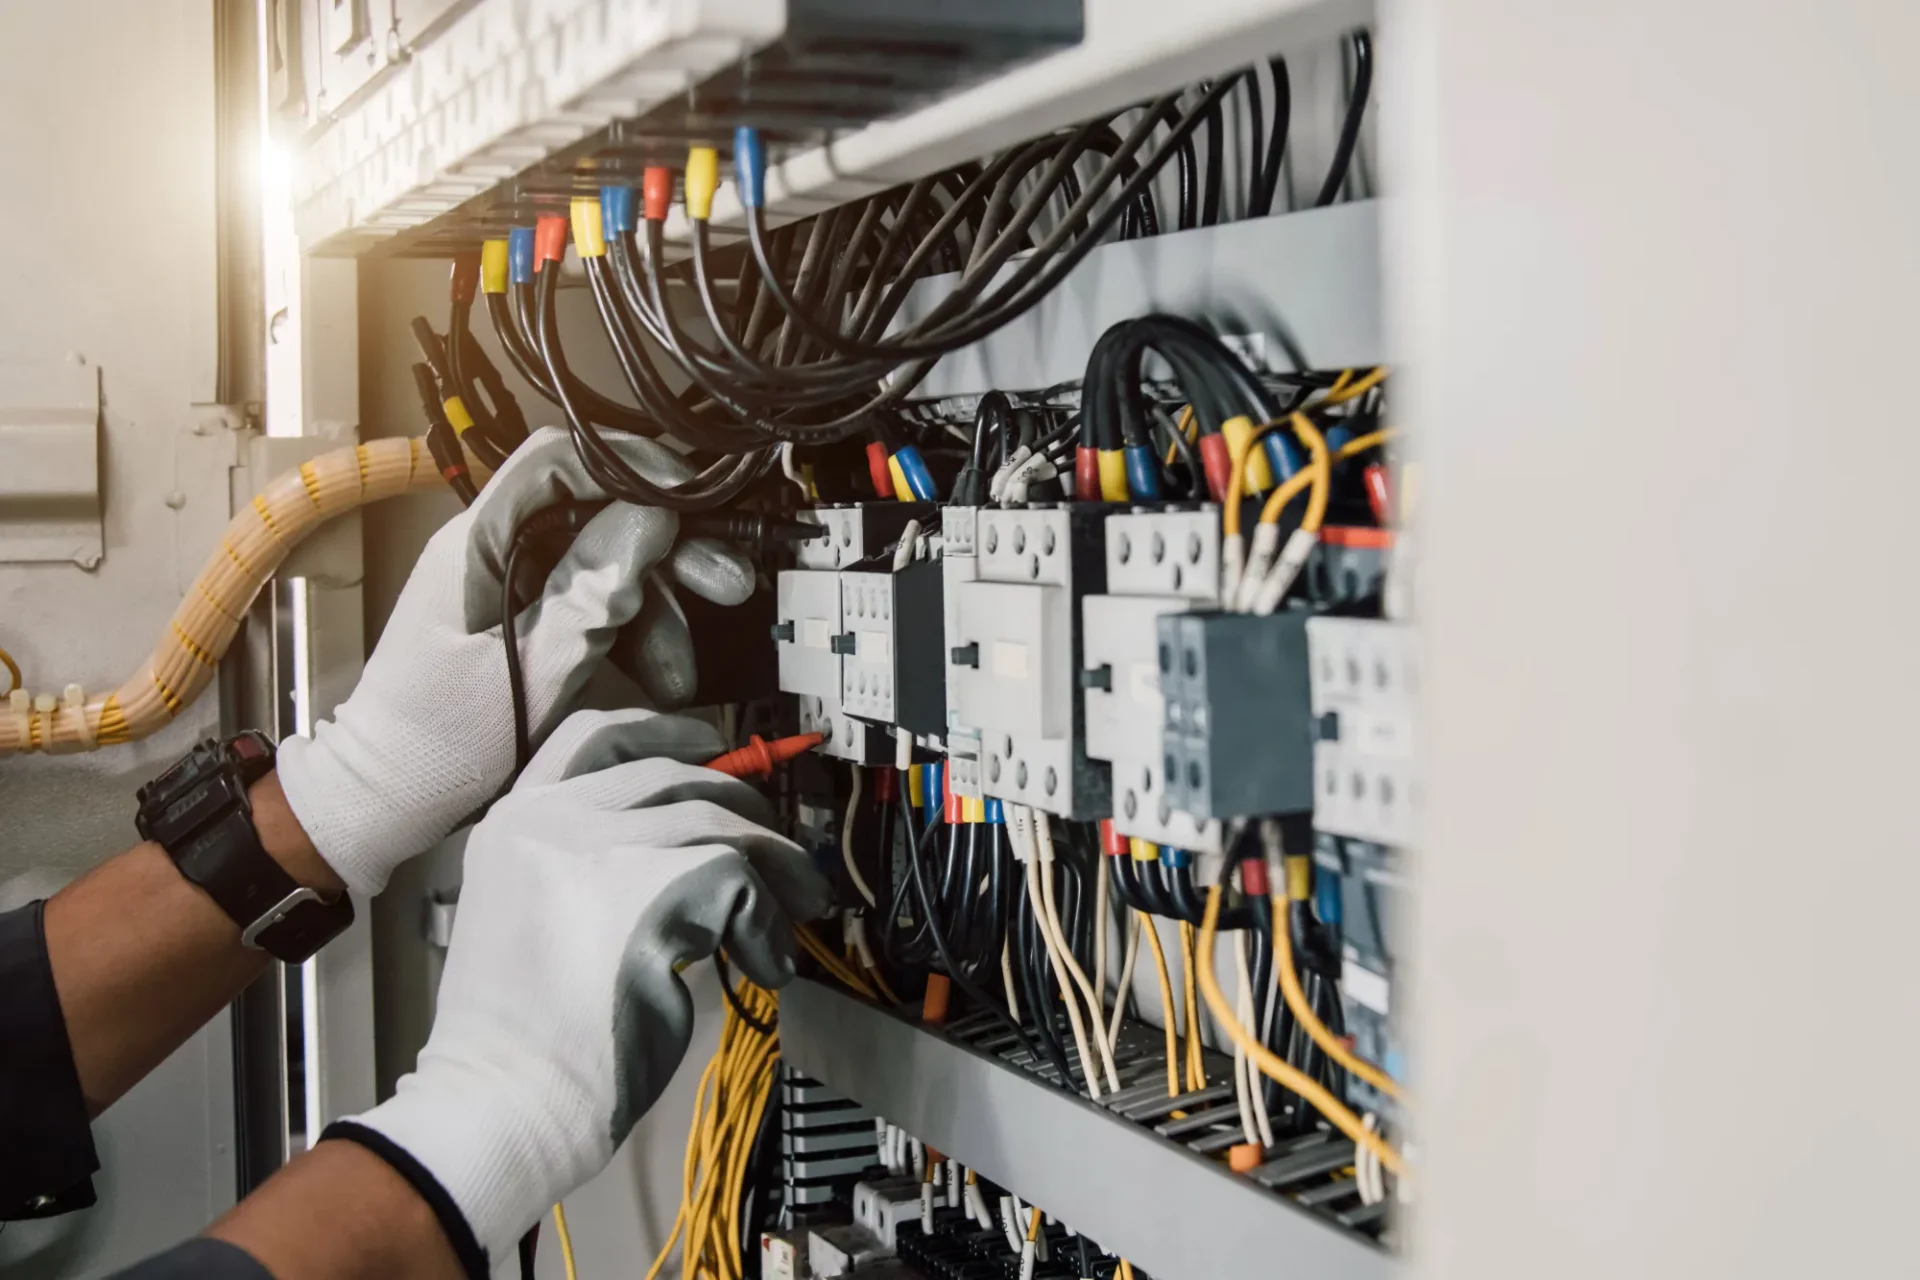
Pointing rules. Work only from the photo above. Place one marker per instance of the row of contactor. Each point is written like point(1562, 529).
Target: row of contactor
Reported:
point(1075, 658)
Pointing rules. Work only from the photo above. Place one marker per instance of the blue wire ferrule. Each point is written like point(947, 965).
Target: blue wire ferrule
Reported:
point(520, 255)
point(1283, 455)
point(1143, 477)
point(1175, 858)
point(996, 813)
point(750, 166)
point(936, 786)
point(1326, 894)
point(914, 467)
point(617, 209)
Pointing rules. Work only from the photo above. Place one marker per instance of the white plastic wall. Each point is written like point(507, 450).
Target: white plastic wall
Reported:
point(1656, 264)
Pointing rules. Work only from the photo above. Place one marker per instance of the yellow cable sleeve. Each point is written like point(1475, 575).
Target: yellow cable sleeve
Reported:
point(493, 266)
point(1335, 1047)
point(1239, 435)
point(1271, 1063)
point(1168, 1014)
point(1113, 475)
point(589, 232)
point(457, 416)
point(701, 181)
point(902, 491)
point(253, 545)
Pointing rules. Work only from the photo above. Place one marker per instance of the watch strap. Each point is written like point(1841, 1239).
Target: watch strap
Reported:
point(275, 912)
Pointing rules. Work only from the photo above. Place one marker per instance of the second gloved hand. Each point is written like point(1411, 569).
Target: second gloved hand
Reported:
point(562, 1013)
point(427, 737)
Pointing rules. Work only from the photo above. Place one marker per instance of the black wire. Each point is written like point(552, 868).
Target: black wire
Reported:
point(960, 979)
point(1267, 178)
point(1350, 127)
point(528, 1244)
point(733, 998)
point(516, 679)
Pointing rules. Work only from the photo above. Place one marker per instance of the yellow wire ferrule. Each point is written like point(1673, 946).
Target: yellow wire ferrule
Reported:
point(1113, 475)
point(1299, 877)
point(1143, 850)
point(457, 416)
point(1239, 435)
point(493, 266)
point(702, 179)
point(589, 231)
point(902, 491)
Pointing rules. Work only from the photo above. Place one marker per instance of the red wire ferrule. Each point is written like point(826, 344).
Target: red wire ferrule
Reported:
point(550, 234)
point(656, 192)
point(1217, 463)
point(1112, 843)
point(1086, 474)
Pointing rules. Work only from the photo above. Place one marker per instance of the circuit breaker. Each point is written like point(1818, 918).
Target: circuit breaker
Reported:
point(1013, 667)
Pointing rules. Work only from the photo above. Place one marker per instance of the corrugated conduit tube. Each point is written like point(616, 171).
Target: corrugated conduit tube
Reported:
point(254, 544)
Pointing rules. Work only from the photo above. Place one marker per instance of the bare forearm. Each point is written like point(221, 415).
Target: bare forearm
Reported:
point(142, 959)
point(339, 1211)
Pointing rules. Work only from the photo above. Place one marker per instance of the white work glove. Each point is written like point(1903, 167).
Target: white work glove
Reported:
point(426, 739)
point(561, 1013)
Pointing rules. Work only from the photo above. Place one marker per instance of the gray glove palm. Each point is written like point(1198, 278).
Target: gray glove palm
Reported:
point(426, 739)
point(562, 1013)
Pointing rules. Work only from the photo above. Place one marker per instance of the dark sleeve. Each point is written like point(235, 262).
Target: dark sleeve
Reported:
point(198, 1260)
point(44, 1130)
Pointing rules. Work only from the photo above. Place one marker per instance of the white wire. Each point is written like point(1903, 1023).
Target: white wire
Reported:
point(1096, 1009)
point(1253, 1094)
point(1100, 922)
point(1036, 896)
point(787, 469)
point(1125, 985)
point(903, 550)
point(1006, 976)
point(1366, 1166)
point(846, 843)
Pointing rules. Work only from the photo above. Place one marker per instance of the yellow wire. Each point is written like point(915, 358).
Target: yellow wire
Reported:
point(1168, 1014)
point(1033, 1224)
point(1272, 1064)
point(566, 1241)
point(1360, 444)
point(1340, 383)
point(1187, 426)
point(1196, 1068)
point(830, 962)
point(1303, 1011)
point(13, 669)
point(1354, 390)
point(881, 982)
point(1318, 472)
point(1126, 1270)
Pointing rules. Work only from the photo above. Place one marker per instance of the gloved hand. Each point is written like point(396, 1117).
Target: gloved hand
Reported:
point(426, 738)
point(561, 1014)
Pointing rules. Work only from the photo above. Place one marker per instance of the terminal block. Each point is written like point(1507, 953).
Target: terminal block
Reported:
point(893, 665)
point(844, 737)
point(1237, 728)
point(959, 565)
point(1013, 662)
point(1158, 563)
point(1366, 678)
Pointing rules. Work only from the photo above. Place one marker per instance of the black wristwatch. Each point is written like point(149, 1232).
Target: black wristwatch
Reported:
point(198, 811)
